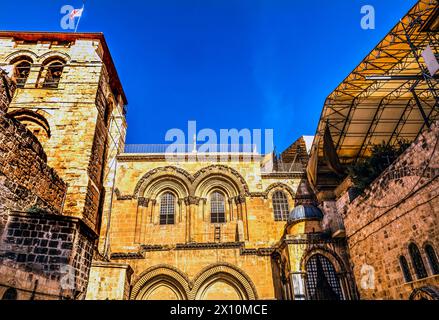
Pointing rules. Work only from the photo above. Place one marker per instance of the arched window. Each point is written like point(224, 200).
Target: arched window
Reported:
point(405, 269)
point(22, 68)
point(10, 294)
point(417, 262)
point(52, 73)
point(322, 281)
point(167, 209)
point(432, 259)
point(217, 208)
point(280, 206)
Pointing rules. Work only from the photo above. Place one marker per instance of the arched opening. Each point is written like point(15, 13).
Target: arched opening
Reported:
point(417, 262)
point(221, 287)
point(10, 294)
point(34, 122)
point(322, 281)
point(281, 207)
point(23, 66)
point(167, 208)
point(52, 72)
point(163, 289)
point(405, 269)
point(432, 259)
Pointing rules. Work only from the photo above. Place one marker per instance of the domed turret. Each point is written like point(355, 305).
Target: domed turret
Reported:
point(304, 219)
point(305, 212)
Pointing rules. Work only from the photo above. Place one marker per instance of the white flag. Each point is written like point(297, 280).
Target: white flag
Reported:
point(430, 60)
point(77, 13)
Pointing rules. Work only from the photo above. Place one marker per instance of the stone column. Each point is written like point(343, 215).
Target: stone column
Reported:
point(298, 282)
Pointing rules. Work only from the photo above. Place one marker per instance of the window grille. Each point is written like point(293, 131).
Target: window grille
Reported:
point(167, 209)
point(280, 206)
point(217, 208)
point(329, 272)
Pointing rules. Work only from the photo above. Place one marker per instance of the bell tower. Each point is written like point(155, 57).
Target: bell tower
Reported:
point(70, 97)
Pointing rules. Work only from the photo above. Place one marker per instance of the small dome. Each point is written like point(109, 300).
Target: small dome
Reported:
point(305, 212)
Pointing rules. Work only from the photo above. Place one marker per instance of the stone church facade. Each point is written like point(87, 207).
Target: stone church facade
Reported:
point(83, 216)
point(117, 225)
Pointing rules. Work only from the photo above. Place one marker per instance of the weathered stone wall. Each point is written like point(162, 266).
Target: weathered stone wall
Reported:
point(47, 247)
point(7, 89)
point(75, 111)
point(400, 207)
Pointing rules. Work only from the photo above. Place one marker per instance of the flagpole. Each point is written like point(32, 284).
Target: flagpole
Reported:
point(79, 20)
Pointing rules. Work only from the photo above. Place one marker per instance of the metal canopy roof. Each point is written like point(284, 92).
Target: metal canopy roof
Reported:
point(398, 102)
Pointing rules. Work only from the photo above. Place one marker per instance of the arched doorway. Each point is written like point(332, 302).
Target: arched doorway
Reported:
point(161, 283)
point(223, 282)
point(162, 289)
point(322, 282)
point(221, 287)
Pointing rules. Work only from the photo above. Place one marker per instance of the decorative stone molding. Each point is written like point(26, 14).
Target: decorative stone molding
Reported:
point(143, 202)
point(171, 274)
point(240, 199)
point(188, 181)
point(192, 201)
point(240, 277)
point(183, 176)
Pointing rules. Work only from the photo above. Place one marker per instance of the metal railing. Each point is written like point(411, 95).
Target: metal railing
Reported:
point(285, 168)
point(188, 148)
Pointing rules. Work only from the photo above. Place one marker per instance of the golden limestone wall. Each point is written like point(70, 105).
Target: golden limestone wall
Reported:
point(46, 255)
point(401, 208)
point(188, 250)
point(75, 112)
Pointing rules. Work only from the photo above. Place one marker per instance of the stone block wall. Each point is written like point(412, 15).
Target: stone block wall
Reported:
point(7, 89)
point(400, 207)
point(47, 248)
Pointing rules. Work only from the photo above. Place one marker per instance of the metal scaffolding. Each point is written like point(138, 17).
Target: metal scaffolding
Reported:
point(390, 96)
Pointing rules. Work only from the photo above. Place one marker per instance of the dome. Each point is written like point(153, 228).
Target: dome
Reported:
point(305, 212)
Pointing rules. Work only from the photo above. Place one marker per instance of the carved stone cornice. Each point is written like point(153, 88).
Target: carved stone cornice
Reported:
point(240, 199)
point(192, 200)
point(143, 202)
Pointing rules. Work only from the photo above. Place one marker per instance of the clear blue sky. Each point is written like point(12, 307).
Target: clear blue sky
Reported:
point(224, 63)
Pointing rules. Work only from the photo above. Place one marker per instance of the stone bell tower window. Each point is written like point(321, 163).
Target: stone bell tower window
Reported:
point(52, 73)
point(22, 68)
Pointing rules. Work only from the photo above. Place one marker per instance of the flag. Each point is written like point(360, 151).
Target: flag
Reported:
point(77, 13)
point(330, 153)
point(311, 169)
point(430, 60)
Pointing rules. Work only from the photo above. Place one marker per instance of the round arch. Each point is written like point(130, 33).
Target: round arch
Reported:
point(163, 276)
point(226, 274)
point(335, 260)
point(280, 187)
point(228, 178)
point(161, 178)
point(53, 56)
point(17, 55)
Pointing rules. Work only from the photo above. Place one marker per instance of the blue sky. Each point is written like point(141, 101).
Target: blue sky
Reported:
point(257, 64)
